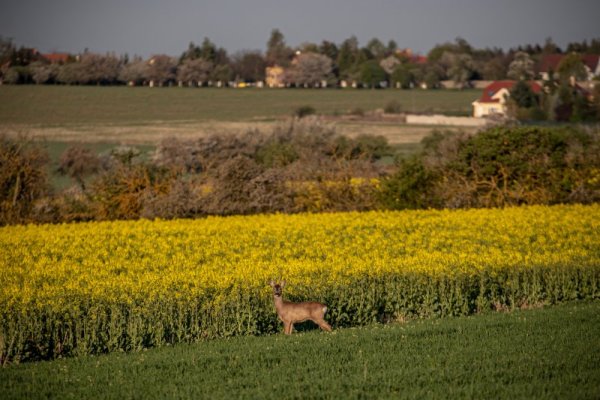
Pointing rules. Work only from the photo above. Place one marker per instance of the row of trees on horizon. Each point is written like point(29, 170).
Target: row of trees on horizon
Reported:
point(375, 64)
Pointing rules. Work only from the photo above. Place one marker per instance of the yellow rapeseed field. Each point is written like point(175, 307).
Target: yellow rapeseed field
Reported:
point(102, 286)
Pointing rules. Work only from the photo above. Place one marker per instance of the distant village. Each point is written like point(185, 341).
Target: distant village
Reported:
point(540, 74)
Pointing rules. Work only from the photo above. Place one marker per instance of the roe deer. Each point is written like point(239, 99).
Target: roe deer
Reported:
point(291, 313)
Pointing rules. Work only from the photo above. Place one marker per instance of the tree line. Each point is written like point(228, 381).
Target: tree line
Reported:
point(301, 166)
point(376, 64)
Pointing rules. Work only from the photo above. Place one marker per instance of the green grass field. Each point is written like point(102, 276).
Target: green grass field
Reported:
point(108, 116)
point(83, 105)
point(103, 117)
point(550, 353)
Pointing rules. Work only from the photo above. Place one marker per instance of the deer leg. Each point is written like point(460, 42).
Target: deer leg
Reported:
point(287, 327)
point(323, 325)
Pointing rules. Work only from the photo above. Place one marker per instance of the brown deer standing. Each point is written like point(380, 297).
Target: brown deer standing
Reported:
point(291, 313)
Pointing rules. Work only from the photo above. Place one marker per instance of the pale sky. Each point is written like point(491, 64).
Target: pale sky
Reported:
point(147, 27)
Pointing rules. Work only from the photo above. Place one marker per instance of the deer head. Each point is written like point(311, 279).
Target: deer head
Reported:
point(277, 288)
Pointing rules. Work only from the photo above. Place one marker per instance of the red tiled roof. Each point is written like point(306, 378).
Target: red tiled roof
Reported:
point(591, 60)
point(419, 59)
point(56, 57)
point(414, 58)
point(551, 61)
point(494, 87)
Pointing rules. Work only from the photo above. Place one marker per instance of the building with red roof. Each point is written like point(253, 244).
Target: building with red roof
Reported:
point(550, 62)
point(56, 58)
point(494, 97)
point(410, 56)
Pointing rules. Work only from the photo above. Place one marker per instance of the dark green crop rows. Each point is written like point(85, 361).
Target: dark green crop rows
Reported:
point(543, 353)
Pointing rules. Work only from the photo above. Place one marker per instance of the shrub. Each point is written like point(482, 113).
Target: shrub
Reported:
point(340, 193)
point(408, 188)
point(357, 111)
point(304, 111)
point(125, 154)
point(78, 162)
point(526, 165)
point(183, 198)
point(500, 167)
point(179, 156)
point(276, 154)
point(120, 193)
point(363, 147)
point(393, 107)
point(233, 187)
point(23, 179)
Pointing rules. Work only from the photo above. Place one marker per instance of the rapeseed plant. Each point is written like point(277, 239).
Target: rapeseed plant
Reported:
point(124, 285)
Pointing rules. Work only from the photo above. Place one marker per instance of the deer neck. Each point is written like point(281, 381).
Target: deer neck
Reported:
point(278, 300)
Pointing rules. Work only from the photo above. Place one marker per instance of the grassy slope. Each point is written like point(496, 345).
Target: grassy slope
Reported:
point(544, 353)
point(64, 105)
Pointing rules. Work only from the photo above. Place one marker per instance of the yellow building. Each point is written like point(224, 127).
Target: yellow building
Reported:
point(274, 76)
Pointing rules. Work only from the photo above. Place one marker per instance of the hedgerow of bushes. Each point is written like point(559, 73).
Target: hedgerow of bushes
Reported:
point(302, 166)
point(499, 167)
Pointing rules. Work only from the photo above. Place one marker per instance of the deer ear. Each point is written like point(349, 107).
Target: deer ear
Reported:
point(282, 284)
point(271, 283)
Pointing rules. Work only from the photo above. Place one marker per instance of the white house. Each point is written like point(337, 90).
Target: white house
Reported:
point(494, 97)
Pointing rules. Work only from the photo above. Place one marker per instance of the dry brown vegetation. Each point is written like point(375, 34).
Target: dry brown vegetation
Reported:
point(300, 165)
point(304, 165)
point(22, 178)
point(395, 132)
